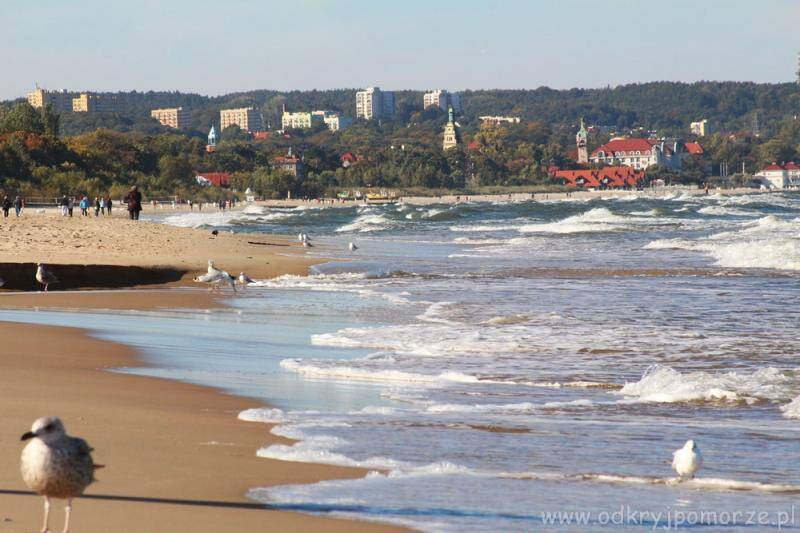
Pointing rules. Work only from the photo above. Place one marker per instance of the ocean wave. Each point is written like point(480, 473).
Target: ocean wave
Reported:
point(351, 373)
point(769, 242)
point(716, 210)
point(366, 223)
point(663, 384)
point(792, 409)
point(597, 220)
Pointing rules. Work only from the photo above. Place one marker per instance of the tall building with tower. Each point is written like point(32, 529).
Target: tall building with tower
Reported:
point(450, 131)
point(582, 141)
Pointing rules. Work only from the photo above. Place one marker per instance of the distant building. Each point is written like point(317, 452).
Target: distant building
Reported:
point(582, 140)
point(212, 140)
point(442, 99)
point(175, 117)
point(495, 120)
point(450, 131)
point(216, 179)
point(301, 119)
point(641, 153)
point(373, 103)
point(349, 158)
point(95, 103)
point(337, 123)
point(290, 163)
point(616, 177)
point(59, 100)
point(247, 118)
point(777, 176)
point(701, 128)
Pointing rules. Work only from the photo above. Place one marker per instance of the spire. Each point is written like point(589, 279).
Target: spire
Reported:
point(450, 115)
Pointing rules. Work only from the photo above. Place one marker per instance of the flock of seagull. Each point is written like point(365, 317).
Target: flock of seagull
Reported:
point(217, 277)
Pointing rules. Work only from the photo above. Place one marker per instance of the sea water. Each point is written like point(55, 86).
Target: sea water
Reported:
point(515, 365)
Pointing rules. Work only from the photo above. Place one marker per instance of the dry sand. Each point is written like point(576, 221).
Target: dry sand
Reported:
point(177, 457)
point(113, 247)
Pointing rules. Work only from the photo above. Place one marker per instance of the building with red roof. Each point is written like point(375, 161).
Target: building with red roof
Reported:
point(781, 176)
point(617, 177)
point(642, 153)
point(349, 158)
point(217, 179)
point(290, 163)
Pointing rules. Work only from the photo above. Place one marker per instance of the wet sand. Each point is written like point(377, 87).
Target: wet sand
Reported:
point(177, 457)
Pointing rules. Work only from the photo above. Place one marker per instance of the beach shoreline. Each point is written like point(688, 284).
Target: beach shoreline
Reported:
point(177, 456)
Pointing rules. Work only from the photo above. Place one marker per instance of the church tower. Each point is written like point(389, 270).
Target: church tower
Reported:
point(581, 140)
point(450, 131)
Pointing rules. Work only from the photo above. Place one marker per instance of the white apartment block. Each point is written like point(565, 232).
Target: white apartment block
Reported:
point(373, 103)
point(442, 99)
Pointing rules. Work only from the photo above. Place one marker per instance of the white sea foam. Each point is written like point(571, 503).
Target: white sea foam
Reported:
point(597, 220)
point(351, 373)
point(666, 385)
point(196, 220)
point(792, 409)
point(716, 210)
point(263, 414)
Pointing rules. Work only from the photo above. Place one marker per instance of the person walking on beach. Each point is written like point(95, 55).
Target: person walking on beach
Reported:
point(18, 205)
point(108, 205)
point(84, 205)
point(64, 203)
point(96, 206)
point(70, 205)
point(102, 205)
point(6, 206)
point(134, 201)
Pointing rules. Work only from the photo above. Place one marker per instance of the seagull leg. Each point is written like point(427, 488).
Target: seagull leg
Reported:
point(45, 528)
point(67, 510)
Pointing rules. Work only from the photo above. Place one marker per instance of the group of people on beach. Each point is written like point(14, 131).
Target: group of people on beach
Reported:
point(17, 204)
point(102, 205)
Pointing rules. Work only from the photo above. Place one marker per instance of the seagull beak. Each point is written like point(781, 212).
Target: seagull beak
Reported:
point(28, 435)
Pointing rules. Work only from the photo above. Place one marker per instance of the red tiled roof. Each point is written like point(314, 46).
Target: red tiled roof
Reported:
point(260, 135)
point(626, 145)
point(791, 165)
point(774, 166)
point(694, 148)
point(287, 160)
point(218, 179)
point(620, 176)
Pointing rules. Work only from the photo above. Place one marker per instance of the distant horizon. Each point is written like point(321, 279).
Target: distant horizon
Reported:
point(213, 49)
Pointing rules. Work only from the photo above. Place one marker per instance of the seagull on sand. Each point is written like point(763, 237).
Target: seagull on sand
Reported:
point(352, 246)
point(299, 237)
point(44, 277)
point(244, 279)
point(56, 465)
point(687, 460)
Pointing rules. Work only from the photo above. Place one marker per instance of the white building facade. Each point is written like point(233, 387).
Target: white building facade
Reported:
point(442, 99)
point(373, 103)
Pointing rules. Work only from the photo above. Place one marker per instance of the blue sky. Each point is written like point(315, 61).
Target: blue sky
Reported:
point(215, 47)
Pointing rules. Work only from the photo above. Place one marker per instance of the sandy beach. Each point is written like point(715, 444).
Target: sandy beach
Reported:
point(177, 457)
point(116, 252)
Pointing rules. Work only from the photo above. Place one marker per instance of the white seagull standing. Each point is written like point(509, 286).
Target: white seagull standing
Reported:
point(244, 279)
point(56, 465)
point(687, 460)
point(352, 246)
point(44, 277)
point(299, 237)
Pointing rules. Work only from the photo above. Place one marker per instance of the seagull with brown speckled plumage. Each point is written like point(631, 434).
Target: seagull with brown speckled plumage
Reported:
point(56, 465)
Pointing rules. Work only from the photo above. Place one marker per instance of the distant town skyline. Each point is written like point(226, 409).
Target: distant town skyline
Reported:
point(216, 47)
